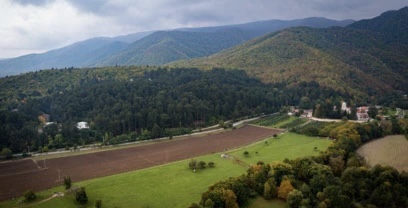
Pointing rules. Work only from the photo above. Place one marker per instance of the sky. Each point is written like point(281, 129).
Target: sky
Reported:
point(36, 26)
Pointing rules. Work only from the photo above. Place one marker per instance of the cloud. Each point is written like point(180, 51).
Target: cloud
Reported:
point(40, 25)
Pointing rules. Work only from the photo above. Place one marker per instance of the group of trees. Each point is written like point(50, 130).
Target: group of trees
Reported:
point(335, 178)
point(150, 104)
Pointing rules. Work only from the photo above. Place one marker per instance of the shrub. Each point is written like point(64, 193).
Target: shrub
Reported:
point(29, 196)
point(211, 164)
point(201, 164)
point(192, 164)
point(81, 196)
point(246, 153)
point(98, 203)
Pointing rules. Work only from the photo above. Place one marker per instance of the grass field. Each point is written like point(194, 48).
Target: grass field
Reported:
point(262, 203)
point(390, 150)
point(174, 185)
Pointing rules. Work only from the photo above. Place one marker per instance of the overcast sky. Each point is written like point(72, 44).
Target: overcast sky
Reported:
point(34, 26)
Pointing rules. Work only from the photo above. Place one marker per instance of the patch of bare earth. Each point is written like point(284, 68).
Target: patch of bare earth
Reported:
point(390, 150)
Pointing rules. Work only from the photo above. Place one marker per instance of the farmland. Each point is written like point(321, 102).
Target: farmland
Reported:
point(154, 187)
point(17, 177)
point(390, 150)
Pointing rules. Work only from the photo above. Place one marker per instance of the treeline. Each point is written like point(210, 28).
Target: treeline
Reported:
point(130, 106)
point(336, 178)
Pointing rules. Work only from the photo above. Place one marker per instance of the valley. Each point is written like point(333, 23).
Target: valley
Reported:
point(290, 113)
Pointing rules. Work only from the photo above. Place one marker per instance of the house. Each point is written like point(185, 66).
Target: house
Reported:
point(82, 125)
point(362, 114)
point(307, 113)
point(363, 117)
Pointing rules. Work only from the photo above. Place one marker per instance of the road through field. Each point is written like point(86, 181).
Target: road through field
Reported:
point(18, 176)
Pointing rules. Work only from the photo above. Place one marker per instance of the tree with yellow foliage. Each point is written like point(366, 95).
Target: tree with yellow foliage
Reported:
point(284, 189)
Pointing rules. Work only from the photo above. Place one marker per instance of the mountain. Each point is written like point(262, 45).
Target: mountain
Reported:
point(185, 43)
point(167, 46)
point(79, 54)
point(351, 59)
point(267, 26)
point(158, 48)
point(391, 26)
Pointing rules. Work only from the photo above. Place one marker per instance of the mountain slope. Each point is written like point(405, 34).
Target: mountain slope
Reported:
point(76, 55)
point(161, 47)
point(391, 26)
point(79, 54)
point(164, 47)
point(351, 60)
point(167, 46)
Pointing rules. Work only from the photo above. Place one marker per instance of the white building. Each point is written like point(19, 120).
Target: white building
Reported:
point(345, 108)
point(82, 125)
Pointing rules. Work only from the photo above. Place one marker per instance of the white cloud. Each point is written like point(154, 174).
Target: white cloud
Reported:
point(28, 26)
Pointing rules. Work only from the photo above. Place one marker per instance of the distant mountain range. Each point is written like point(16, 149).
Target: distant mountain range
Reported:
point(366, 58)
point(154, 48)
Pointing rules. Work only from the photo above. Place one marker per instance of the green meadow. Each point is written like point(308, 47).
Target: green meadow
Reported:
point(175, 185)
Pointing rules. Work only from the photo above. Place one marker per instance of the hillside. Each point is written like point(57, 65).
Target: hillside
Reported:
point(186, 43)
point(79, 54)
point(76, 55)
point(346, 59)
point(167, 46)
point(154, 49)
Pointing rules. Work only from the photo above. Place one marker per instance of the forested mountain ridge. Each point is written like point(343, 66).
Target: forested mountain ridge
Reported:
point(347, 59)
point(162, 47)
point(390, 26)
point(167, 46)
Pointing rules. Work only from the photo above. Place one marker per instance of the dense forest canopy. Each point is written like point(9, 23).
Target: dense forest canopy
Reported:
point(129, 103)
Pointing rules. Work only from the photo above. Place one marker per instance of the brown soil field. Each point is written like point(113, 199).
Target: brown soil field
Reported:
point(390, 150)
point(16, 177)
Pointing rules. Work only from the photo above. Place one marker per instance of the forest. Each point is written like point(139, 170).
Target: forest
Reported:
point(338, 177)
point(139, 105)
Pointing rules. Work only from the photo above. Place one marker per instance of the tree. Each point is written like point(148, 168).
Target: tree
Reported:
point(372, 111)
point(29, 196)
point(209, 203)
point(81, 196)
point(246, 153)
point(201, 164)
point(284, 189)
point(67, 182)
point(294, 198)
point(98, 203)
point(270, 189)
point(192, 164)
point(6, 153)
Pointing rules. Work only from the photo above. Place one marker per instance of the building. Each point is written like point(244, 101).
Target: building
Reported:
point(82, 125)
point(345, 108)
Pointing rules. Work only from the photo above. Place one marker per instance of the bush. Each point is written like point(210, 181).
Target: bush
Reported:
point(98, 203)
point(201, 164)
point(29, 196)
point(246, 153)
point(81, 196)
point(192, 164)
point(211, 164)
point(67, 182)
point(6, 153)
